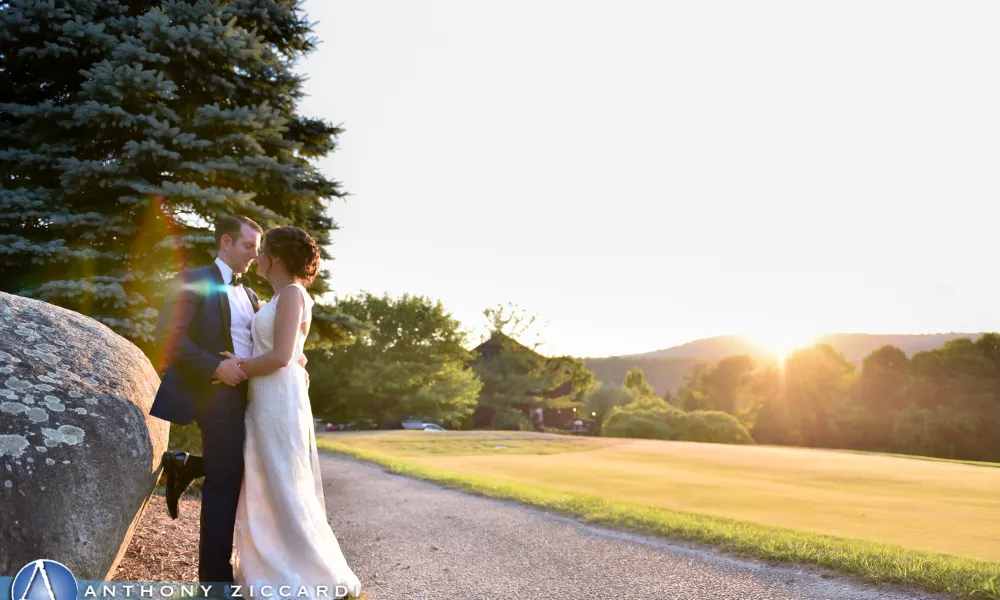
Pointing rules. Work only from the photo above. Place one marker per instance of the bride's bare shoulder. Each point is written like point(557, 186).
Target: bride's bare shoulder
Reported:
point(292, 294)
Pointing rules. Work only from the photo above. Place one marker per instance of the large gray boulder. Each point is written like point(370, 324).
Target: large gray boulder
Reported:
point(79, 453)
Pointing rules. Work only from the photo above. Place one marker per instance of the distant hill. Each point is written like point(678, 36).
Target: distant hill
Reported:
point(663, 373)
point(666, 369)
point(856, 346)
point(714, 347)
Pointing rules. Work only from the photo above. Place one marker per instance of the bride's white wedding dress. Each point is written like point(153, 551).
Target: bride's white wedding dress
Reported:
point(282, 534)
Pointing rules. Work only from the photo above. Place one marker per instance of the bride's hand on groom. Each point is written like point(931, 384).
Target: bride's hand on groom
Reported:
point(302, 363)
point(229, 371)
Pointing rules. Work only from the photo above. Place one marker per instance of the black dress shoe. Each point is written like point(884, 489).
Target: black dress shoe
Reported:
point(178, 478)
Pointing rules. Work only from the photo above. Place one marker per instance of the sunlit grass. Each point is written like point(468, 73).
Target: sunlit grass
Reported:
point(881, 518)
point(958, 461)
point(471, 443)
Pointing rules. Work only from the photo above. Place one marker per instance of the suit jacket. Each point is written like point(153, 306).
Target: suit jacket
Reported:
point(192, 330)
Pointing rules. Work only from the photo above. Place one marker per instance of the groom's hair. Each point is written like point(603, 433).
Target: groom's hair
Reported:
point(231, 225)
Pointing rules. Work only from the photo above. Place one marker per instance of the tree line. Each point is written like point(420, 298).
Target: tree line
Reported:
point(410, 358)
point(943, 402)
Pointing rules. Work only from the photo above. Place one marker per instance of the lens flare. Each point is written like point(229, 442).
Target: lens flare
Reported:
point(157, 253)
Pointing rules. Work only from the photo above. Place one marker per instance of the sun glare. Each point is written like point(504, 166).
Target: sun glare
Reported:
point(781, 343)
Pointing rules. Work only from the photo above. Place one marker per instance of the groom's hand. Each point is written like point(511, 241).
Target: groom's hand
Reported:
point(230, 373)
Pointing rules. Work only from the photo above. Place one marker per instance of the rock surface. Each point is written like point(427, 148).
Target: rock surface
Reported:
point(79, 453)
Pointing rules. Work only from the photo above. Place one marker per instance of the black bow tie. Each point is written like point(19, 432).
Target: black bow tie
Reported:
point(237, 280)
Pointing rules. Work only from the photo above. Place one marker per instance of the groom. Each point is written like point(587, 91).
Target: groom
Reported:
point(206, 312)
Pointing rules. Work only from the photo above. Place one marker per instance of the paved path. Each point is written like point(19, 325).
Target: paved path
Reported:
point(410, 539)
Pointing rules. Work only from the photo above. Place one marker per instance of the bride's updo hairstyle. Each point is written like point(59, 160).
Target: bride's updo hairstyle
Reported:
point(296, 248)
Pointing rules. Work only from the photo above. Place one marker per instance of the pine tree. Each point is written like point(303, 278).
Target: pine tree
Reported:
point(128, 127)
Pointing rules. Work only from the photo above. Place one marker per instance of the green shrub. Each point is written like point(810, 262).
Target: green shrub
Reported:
point(186, 438)
point(650, 417)
point(653, 403)
point(714, 426)
point(510, 419)
point(645, 425)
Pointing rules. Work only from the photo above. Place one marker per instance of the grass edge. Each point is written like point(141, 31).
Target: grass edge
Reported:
point(871, 562)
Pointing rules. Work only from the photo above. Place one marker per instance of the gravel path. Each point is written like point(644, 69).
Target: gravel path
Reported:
point(411, 539)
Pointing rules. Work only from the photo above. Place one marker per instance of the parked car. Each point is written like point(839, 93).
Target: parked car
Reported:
point(433, 427)
point(584, 427)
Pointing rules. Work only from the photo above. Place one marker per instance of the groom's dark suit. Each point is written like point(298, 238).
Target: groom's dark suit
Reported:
point(193, 329)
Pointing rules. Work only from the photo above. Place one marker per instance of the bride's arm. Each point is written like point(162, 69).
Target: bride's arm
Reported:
point(286, 327)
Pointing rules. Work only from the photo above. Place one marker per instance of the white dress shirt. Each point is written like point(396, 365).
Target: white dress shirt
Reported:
point(240, 311)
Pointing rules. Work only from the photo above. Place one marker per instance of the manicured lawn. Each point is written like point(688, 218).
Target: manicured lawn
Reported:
point(883, 518)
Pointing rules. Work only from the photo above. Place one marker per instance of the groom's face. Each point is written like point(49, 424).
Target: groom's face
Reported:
point(243, 249)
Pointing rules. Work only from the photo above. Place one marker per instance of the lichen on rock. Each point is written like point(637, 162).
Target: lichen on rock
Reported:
point(56, 368)
point(12, 445)
point(66, 434)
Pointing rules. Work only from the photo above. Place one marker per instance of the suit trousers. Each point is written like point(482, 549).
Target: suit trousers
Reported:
point(222, 424)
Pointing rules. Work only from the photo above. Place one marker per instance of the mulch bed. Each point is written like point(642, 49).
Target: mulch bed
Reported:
point(163, 549)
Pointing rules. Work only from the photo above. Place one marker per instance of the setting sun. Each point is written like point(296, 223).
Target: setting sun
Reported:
point(780, 343)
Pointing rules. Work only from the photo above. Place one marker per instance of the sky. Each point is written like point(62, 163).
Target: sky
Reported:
point(642, 174)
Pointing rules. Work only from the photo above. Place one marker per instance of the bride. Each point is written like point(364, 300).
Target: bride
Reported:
point(284, 543)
